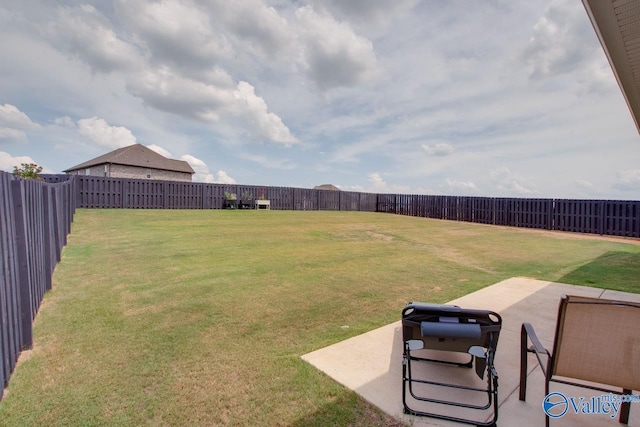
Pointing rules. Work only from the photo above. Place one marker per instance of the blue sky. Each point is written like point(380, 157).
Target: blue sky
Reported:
point(476, 97)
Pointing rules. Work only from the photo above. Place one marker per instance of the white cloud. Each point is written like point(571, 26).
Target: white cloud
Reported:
point(510, 183)
point(438, 150)
point(161, 151)
point(627, 180)
point(7, 161)
point(12, 117)
point(556, 45)
point(238, 81)
point(86, 32)
point(168, 91)
point(14, 124)
point(370, 14)
point(334, 55)
point(461, 186)
point(378, 185)
point(586, 185)
point(99, 131)
point(268, 125)
point(176, 31)
point(202, 170)
point(519, 188)
point(223, 178)
point(65, 121)
point(8, 135)
point(254, 27)
point(271, 162)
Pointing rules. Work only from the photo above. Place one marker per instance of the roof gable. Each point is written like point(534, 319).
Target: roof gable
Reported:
point(326, 187)
point(137, 155)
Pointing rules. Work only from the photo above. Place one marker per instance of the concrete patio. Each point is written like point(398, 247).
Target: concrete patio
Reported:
point(371, 363)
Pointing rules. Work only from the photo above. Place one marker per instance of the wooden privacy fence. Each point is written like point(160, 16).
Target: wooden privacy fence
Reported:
point(604, 217)
point(35, 219)
point(101, 192)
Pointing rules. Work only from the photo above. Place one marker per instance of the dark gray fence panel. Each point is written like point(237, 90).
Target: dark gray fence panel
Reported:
point(607, 217)
point(368, 202)
point(529, 213)
point(305, 199)
point(577, 216)
point(182, 195)
point(213, 196)
point(25, 201)
point(387, 203)
point(280, 197)
point(34, 220)
point(328, 200)
point(584, 216)
point(9, 305)
point(349, 200)
point(99, 192)
point(143, 194)
point(484, 210)
point(621, 218)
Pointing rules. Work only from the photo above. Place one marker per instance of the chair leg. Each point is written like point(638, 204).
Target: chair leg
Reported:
point(624, 409)
point(523, 364)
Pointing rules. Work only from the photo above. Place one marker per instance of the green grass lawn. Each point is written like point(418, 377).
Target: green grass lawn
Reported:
point(200, 317)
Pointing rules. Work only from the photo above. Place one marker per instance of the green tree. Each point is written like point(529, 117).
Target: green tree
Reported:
point(28, 171)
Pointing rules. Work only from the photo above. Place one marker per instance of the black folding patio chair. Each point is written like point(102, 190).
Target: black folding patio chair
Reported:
point(437, 334)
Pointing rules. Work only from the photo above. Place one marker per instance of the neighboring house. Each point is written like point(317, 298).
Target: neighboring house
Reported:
point(326, 187)
point(135, 161)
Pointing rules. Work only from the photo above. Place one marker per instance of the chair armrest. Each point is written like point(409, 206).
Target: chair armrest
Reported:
point(527, 333)
point(537, 346)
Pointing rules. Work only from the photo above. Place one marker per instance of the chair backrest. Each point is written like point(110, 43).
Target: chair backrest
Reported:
point(598, 340)
point(450, 328)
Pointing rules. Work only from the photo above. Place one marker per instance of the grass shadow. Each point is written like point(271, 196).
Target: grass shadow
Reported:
point(622, 268)
point(348, 410)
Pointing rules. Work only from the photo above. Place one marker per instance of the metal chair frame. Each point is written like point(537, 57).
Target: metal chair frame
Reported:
point(548, 366)
point(485, 327)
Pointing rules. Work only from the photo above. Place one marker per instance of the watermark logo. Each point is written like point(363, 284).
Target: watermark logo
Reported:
point(555, 405)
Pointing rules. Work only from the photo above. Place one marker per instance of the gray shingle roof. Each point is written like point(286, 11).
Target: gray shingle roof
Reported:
point(136, 155)
point(326, 187)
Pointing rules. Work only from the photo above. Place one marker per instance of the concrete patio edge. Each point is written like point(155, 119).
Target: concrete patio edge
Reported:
point(371, 364)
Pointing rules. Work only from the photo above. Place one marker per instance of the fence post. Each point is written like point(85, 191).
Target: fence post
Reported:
point(57, 211)
point(601, 217)
point(48, 221)
point(165, 195)
point(24, 292)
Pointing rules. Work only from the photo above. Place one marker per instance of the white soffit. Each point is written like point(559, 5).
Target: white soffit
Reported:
point(617, 24)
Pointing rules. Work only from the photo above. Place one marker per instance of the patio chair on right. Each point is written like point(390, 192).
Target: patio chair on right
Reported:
point(596, 341)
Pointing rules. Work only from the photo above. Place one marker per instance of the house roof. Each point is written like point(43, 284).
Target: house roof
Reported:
point(136, 155)
point(326, 187)
point(617, 25)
